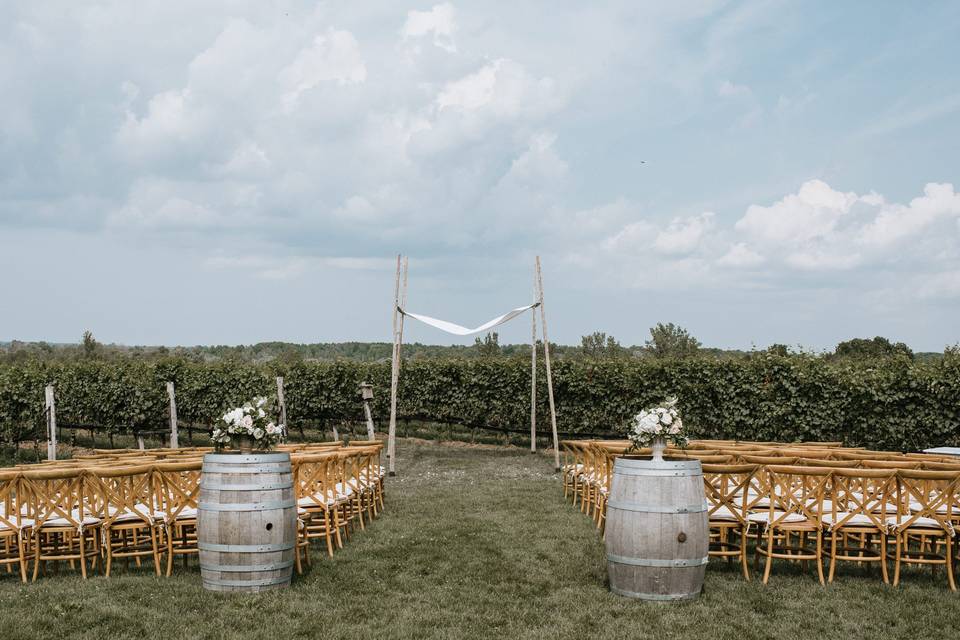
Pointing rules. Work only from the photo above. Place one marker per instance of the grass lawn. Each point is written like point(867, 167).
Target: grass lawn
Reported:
point(474, 543)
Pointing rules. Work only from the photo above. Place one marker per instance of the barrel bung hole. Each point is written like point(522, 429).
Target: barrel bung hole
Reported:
point(269, 526)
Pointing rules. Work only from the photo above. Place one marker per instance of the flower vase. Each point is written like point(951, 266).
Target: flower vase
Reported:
point(245, 444)
point(658, 446)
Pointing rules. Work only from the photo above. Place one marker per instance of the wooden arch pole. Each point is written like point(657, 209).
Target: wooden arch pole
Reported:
point(400, 301)
point(546, 359)
point(533, 370)
point(392, 429)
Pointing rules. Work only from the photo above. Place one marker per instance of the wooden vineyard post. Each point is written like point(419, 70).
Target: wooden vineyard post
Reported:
point(283, 406)
point(533, 371)
point(336, 434)
point(50, 409)
point(546, 359)
point(174, 439)
point(366, 393)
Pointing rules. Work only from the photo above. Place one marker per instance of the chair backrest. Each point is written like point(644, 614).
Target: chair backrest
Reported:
point(10, 499)
point(123, 492)
point(765, 460)
point(177, 485)
point(928, 494)
point(727, 488)
point(796, 490)
point(833, 464)
point(314, 477)
point(890, 464)
point(55, 494)
point(941, 466)
point(861, 496)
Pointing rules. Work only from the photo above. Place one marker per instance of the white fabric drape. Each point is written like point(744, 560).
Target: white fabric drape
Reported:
point(458, 330)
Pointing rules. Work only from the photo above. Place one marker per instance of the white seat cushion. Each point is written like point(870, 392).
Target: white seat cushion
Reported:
point(916, 507)
point(856, 520)
point(313, 501)
point(17, 523)
point(764, 517)
point(88, 521)
point(187, 513)
point(922, 522)
point(723, 513)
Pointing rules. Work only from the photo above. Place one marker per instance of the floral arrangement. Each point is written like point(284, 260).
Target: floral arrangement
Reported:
point(248, 425)
point(657, 422)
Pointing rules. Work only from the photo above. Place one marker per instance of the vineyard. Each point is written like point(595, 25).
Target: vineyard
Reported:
point(885, 404)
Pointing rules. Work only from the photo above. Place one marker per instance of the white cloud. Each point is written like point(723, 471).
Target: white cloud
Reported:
point(503, 87)
point(812, 212)
point(439, 22)
point(729, 89)
point(896, 222)
point(740, 255)
point(334, 56)
point(684, 235)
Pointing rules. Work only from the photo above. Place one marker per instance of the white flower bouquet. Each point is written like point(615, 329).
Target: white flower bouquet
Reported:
point(661, 422)
point(248, 427)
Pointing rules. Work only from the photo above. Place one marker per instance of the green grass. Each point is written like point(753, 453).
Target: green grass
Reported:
point(475, 543)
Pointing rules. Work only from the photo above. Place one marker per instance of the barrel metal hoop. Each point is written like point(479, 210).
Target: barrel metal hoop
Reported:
point(656, 562)
point(654, 508)
point(246, 458)
point(280, 467)
point(227, 568)
point(247, 583)
point(659, 473)
point(266, 486)
point(662, 597)
point(245, 548)
point(247, 506)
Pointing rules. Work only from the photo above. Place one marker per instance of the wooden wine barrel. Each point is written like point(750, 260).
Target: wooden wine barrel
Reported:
point(657, 534)
point(246, 521)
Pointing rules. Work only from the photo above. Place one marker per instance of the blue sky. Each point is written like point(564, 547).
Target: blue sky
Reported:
point(184, 173)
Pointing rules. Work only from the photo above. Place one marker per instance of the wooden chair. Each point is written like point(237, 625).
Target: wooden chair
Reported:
point(859, 505)
point(178, 488)
point(314, 482)
point(727, 488)
point(125, 501)
point(795, 497)
point(14, 527)
point(927, 504)
point(64, 529)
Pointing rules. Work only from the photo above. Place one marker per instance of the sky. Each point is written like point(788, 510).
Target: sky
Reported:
point(230, 172)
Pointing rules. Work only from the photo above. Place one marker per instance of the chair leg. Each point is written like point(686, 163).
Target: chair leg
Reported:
point(833, 555)
point(769, 554)
point(820, 555)
point(170, 534)
point(896, 566)
point(743, 554)
point(948, 559)
point(883, 558)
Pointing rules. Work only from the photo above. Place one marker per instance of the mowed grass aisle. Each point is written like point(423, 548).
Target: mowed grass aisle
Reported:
point(475, 543)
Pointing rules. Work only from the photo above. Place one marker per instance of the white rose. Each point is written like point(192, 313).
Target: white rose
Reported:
point(247, 422)
point(261, 401)
point(666, 419)
point(258, 433)
point(260, 413)
point(674, 430)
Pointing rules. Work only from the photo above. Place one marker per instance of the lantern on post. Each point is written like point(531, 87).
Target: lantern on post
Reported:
point(366, 394)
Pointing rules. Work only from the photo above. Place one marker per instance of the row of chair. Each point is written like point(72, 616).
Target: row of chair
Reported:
point(804, 502)
point(139, 506)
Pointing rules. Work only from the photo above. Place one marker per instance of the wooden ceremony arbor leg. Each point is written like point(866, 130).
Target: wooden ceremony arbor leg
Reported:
point(546, 359)
point(395, 369)
point(533, 371)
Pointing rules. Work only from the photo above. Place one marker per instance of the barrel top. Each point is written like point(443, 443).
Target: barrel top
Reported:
point(627, 465)
point(247, 458)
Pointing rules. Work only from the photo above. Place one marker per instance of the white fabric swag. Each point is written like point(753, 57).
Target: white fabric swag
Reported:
point(458, 330)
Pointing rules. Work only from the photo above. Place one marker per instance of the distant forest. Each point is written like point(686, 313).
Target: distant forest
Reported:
point(666, 341)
